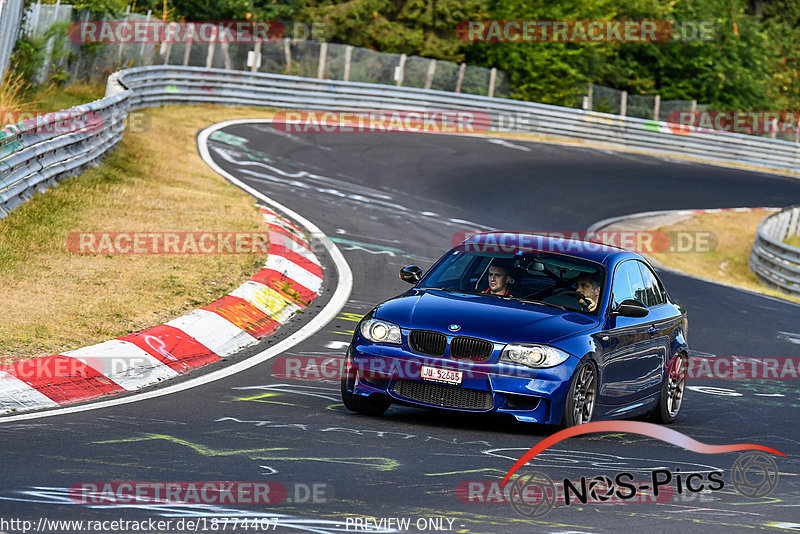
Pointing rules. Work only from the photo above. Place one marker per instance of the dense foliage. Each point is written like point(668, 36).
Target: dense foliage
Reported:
point(751, 63)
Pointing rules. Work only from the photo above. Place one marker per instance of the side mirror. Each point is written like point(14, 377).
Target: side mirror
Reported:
point(411, 274)
point(630, 308)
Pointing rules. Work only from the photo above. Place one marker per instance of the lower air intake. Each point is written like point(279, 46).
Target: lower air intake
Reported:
point(444, 396)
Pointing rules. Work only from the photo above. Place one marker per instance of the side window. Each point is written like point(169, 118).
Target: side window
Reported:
point(655, 295)
point(628, 283)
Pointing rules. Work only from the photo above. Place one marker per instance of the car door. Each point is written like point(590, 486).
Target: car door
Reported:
point(663, 316)
point(633, 351)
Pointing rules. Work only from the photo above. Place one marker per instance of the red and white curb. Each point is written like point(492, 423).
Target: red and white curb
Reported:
point(289, 280)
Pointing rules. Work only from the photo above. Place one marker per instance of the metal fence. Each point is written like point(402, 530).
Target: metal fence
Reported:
point(619, 102)
point(10, 18)
point(26, 158)
point(39, 20)
point(297, 57)
point(774, 262)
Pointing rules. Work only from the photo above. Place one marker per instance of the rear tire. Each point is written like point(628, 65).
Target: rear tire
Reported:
point(375, 405)
point(581, 396)
point(671, 398)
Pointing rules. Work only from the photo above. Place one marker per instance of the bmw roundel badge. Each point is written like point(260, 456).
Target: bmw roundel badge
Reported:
point(454, 327)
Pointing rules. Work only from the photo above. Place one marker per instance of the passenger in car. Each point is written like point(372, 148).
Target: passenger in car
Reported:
point(589, 287)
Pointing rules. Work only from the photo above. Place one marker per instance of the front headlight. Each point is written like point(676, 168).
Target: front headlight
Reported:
point(379, 331)
point(536, 356)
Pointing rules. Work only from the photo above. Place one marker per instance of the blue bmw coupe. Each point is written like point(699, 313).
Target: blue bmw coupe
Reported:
point(546, 329)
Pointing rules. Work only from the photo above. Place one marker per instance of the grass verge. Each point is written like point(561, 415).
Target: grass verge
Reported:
point(728, 263)
point(52, 300)
point(16, 101)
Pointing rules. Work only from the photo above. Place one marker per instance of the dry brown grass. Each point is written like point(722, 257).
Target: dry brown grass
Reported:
point(17, 102)
point(729, 262)
point(54, 98)
point(12, 97)
point(52, 300)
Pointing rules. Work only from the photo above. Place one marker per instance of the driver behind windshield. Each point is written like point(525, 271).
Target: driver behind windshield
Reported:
point(499, 279)
point(589, 287)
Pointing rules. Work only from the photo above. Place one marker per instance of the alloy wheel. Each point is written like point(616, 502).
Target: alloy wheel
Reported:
point(675, 387)
point(583, 398)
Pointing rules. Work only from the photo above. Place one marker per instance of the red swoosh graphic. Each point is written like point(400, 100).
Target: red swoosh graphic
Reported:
point(633, 427)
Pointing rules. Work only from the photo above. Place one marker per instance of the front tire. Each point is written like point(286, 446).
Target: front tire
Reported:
point(671, 398)
point(375, 405)
point(581, 396)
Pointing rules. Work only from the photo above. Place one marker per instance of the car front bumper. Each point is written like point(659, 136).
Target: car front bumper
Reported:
point(531, 395)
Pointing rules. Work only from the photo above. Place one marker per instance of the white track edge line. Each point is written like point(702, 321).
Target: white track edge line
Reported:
point(340, 296)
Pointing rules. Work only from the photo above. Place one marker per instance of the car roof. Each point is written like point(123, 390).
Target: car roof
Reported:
point(510, 242)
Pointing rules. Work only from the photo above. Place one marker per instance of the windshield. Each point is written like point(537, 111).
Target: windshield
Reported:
point(554, 279)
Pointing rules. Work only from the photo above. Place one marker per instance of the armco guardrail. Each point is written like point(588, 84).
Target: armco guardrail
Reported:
point(37, 153)
point(773, 261)
point(157, 85)
point(182, 85)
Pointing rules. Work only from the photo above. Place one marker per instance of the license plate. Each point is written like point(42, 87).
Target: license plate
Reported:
point(441, 375)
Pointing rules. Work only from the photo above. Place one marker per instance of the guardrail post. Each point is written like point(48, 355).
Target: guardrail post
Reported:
point(287, 54)
point(166, 46)
point(623, 103)
point(492, 80)
point(461, 70)
point(348, 56)
point(80, 61)
point(121, 44)
point(187, 50)
point(141, 48)
point(589, 97)
point(44, 68)
point(400, 70)
point(657, 108)
point(165, 50)
point(35, 24)
point(256, 63)
point(430, 73)
point(211, 47)
point(323, 54)
point(226, 57)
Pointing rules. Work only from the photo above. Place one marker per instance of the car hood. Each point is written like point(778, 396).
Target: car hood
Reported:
point(482, 316)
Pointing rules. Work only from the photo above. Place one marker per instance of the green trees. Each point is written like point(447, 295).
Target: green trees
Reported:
point(733, 70)
point(751, 62)
point(420, 27)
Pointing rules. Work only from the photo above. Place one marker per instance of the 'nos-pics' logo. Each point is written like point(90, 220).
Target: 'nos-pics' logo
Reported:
point(533, 494)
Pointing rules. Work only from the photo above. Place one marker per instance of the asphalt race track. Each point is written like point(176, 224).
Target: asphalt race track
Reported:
point(389, 200)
